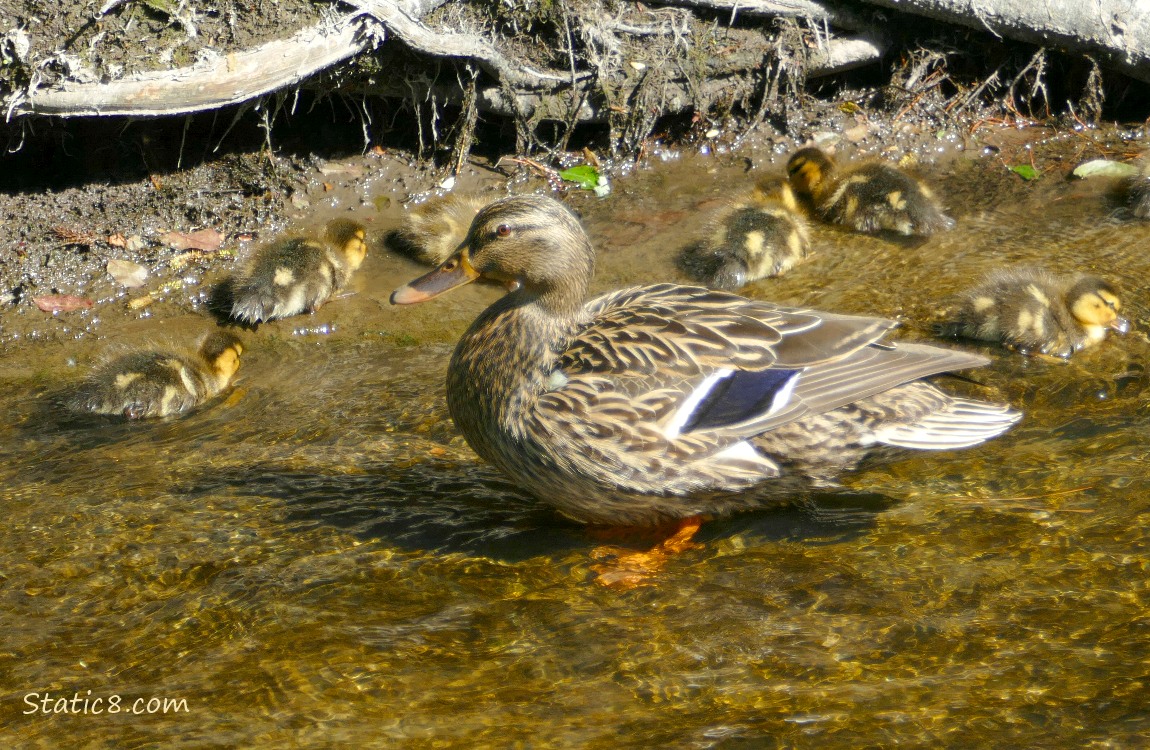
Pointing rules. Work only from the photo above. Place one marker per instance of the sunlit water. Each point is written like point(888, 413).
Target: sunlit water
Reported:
point(318, 560)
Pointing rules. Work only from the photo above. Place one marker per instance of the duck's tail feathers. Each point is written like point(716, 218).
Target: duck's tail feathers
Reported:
point(960, 424)
point(252, 304)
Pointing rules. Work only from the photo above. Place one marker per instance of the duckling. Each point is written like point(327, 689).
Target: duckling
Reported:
point(759, 235)
point(871, 197)
point(433, 230)
point(298, 275)
point(1035, 311)
point(1138, 191)
point(160, 383)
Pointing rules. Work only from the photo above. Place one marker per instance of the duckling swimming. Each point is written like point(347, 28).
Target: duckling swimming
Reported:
point(433, 230)
point(870, 197)
point(1035, 311)
point(160, 383)
point(1138, 191)
point(760, 235)
point(298, 275)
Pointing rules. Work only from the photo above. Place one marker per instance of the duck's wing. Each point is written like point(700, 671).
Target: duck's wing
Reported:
point(690, 330)
point(724, 365)
point(662, 389)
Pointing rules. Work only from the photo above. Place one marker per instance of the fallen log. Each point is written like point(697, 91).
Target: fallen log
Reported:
point(1116, 30)
point(224, 80)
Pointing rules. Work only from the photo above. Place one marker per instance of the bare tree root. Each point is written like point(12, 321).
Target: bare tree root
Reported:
point(233, 79)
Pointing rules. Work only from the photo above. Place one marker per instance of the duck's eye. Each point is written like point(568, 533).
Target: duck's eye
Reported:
point(503, 230)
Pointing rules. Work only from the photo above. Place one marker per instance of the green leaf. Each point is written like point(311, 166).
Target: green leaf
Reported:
point(1104, 168)
point(586, 176)
point(1025, 171)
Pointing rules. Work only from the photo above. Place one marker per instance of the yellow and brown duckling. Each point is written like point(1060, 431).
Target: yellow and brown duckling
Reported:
point(870, 197)
point(760, 235)
point(1036, 312)
point(160, 383)
point(298, 275)
point(433, 230)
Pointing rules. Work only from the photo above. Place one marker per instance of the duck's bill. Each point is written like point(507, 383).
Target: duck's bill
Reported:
point(453, 272)
point(1121, 325)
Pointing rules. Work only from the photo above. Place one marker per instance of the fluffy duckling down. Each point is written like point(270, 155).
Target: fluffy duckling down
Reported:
point(433, 230)
point(1138, 190)
point(1034, 311)
point(870, 197)
point(759, 235)
point(160, 383)
point(298, 275)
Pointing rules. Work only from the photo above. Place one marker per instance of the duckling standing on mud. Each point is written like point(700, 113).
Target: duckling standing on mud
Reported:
point(160, 383)
point(871, 197)
point(433, 230)
point(1033, 311)
point(298, 275)
point(763, 234)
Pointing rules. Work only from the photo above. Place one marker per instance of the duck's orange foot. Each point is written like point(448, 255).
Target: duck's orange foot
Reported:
point(622, 568)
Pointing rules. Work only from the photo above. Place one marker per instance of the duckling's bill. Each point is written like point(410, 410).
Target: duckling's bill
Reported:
point(455, 271)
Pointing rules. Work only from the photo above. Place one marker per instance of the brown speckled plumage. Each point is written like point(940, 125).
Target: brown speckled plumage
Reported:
point(615, 410)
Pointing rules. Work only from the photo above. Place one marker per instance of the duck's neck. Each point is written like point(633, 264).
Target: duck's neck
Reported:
point(504, 362)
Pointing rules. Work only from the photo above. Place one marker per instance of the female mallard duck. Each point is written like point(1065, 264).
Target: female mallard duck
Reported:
point(434, 229)
point(1035, 311)
point(760, 235)
point(298, 275)
point(160, 383)
point(870, 197)
point(665, 402)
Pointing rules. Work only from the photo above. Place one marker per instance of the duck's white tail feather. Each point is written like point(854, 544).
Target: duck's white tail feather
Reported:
point(960, 424)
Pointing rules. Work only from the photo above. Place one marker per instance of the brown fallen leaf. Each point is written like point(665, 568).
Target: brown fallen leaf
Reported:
point(61, 303)
point(201, 239)
point(328, 187)
point(127, 273)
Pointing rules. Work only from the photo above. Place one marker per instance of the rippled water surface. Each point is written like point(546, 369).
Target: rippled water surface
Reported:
point(318, 560)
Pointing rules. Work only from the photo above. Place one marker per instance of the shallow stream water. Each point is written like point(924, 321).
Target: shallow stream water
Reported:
point(318, 560)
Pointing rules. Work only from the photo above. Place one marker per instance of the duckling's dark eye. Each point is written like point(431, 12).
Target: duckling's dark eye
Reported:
point(503, 230)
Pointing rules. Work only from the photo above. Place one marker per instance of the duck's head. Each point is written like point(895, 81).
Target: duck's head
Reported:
point(221, 351)
point(1095, 304)
point(807, 169)
point(350, 238)
point(532, 244)
point(776, 188)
